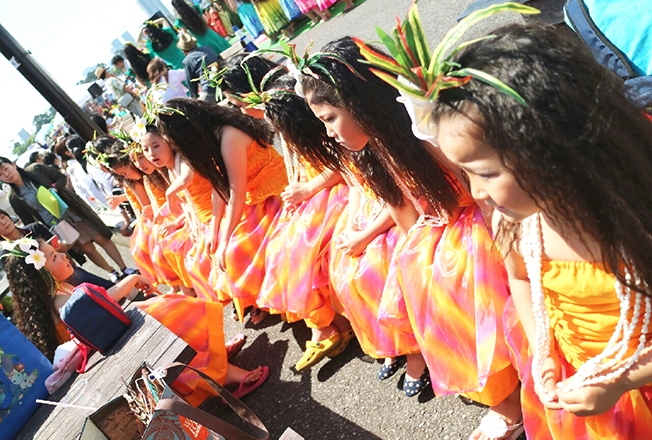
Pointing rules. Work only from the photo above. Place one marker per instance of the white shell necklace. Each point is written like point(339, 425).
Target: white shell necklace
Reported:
point(598, 369)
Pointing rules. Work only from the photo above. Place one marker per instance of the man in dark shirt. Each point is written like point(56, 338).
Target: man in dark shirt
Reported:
point(196, 57)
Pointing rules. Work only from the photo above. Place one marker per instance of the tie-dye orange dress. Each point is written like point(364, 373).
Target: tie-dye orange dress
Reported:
point(167, 250)
point(296, 280)
point(141, 239)
point(358, 282)
point(197, 204)
point(447, 279)
point(245, 252)
point(583, 309)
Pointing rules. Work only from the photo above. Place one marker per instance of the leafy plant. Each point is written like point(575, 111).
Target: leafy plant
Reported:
point(424, 74)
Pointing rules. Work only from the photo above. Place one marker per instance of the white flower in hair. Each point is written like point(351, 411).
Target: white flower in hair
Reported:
point(26, 244)
point(35, 257)
point(139, 129)
point(294, 72)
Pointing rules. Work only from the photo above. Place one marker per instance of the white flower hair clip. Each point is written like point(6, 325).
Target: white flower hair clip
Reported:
point(26, 248)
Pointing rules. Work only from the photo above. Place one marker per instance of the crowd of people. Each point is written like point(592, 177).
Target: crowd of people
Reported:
point(497, 217)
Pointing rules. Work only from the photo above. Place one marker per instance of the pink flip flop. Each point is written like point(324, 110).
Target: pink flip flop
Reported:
point(235, 345)
point(246, 388)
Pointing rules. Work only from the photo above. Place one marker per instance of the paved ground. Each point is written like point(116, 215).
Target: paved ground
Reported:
point(341, 398)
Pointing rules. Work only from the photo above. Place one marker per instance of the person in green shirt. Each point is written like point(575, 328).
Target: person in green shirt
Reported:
point(191, 19)
point(161, 41)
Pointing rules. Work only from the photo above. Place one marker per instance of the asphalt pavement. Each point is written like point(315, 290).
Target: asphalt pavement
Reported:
point(341, 398)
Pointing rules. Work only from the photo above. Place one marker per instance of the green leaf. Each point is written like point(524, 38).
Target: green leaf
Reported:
point(388, 42)
point(391, 80)
point(493, 82)
point(453, 35)
point(420, 40)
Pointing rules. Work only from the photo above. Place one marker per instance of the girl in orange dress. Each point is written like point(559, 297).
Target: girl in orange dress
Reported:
point(567, 170)
point(445, 284)
point(232, 151)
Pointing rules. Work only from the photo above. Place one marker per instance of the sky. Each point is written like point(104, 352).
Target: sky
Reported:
point(65, 37)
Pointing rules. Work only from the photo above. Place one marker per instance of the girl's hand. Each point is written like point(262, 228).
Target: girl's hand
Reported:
point(548, 395)
point(168, 228)
point(144, 284)
point(590, 400)
point(115, 201)
point(295, 193)
point(148, 212)
point(353, 243)
point(220, 256)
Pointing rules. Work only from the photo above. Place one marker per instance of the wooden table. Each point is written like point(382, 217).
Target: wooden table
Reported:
point(146, 340)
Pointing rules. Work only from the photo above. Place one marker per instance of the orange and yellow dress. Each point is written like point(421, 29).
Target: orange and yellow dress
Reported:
point(583, 308)
point(141, 239)
point(450, 283)
point(167, 250)
point(197, 204)
point(246, 250)
point(296, 280)
point(358, 282)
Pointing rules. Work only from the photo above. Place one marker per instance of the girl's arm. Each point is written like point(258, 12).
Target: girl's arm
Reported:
point(405, 216)
point(353, 204)
point(141, 194)
point(218, 208)
point(183, 181)
point(355, 242)
point(296, 193)
point(127, 284)
point(234, 152)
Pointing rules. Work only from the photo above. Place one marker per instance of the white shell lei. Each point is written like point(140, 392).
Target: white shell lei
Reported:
point(594, 370)
point(291, 159)
point(360, 221)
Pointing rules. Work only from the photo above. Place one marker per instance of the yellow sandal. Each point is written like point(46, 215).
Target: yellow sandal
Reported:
point(316, 351)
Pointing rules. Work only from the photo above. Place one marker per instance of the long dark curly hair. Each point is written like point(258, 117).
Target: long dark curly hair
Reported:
point(190, 17)
point(160, 39)
point(33, 304)
point(235, 77)
point(195, 132)
point(138, 60)
point(372, 103)
point(579, 148)
point(291, 116)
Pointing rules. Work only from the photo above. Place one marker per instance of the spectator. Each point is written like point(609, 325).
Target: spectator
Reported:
point(171, 80)
point(191, 20)
point(121, 71)
point(35, 157)
point(52, 160)
point(121, 91)
point(196, 58)
point(72, 154)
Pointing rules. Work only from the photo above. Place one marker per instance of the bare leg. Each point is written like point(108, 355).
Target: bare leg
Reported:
point(415, 366)
point(509, 410)
point(111, 249)
point(91, 251)
point(324, 15)
point(313, 16)
point(319, 334)
point(189, 291)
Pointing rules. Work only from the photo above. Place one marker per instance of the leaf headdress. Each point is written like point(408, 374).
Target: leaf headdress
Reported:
point(153, 107)
point(306, 65)
point(260, 95)
point(214, 75)
point(424, 74)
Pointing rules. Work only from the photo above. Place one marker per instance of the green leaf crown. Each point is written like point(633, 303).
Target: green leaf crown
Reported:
point(424, 73)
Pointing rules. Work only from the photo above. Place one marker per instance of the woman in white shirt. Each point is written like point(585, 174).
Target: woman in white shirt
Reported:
point(168, 84)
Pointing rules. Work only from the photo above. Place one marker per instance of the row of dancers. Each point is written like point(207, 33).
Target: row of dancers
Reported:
point(504, 258)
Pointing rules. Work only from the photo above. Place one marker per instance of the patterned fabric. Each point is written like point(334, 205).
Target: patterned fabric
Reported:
point(358, 283)
point(200, 324)
point(140, 247)
point(266, 175)
point(325, 4)
point(306, 5)
point(245, 254)
point(168, 251)
point(249, 16)
point(296, 266)
point(197, 205)
point(271, 15)
point(28, 193)
point(451, 284)
point(631, 416)
point(291, 9)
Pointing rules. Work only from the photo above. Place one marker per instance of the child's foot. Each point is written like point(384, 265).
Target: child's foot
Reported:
point(503, 421)
point(235, 345)
point(258, 316)
point(390, 367)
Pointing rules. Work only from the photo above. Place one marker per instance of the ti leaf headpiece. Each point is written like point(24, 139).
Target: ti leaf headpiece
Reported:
point(131, 145)
point(307, 64)
point(214, 75)
point(153, 107)
point(259, 96)
point(424, 74)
